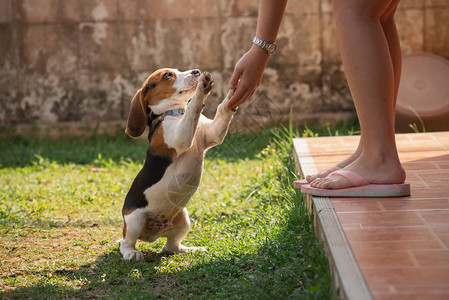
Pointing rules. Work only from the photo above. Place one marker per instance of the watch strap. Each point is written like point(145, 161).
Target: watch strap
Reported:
point(270, 48)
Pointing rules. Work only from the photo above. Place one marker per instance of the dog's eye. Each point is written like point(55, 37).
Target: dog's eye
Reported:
point(168, 75)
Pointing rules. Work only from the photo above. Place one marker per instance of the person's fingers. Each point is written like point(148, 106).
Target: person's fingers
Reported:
point(233, 82)
point(252, 93)
point(238, 94)
point(246, 95)
point(242, 100)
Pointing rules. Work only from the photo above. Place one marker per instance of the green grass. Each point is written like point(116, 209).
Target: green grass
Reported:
point(60, 217)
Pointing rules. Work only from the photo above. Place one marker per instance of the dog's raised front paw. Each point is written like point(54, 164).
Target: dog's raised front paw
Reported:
point(129, 254)
point(222, 105)
point(206, 82)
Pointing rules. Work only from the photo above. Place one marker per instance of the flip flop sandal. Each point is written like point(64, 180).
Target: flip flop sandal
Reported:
point(362, 188)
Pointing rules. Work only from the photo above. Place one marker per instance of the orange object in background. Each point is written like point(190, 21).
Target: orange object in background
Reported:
point(423, 91)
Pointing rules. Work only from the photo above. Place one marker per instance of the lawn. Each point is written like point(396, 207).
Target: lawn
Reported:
point(60, 218)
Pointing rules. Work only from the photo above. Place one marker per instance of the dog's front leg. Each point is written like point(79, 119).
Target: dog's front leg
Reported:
point(216, 130)
point(182, 139)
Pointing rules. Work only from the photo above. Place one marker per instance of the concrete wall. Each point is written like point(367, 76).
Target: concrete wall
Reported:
point(82, 60)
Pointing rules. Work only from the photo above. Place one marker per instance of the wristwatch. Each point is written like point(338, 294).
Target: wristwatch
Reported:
point(270, 48)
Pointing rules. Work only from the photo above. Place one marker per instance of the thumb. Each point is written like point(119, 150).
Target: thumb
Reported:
point(235, 78)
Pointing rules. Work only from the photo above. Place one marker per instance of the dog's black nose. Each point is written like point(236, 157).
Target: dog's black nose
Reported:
point(196, 72)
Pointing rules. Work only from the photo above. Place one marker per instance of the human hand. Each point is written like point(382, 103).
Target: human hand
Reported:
point(247, 75)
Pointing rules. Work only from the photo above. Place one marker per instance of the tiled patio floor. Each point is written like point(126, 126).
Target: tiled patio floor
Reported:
point(400, 244)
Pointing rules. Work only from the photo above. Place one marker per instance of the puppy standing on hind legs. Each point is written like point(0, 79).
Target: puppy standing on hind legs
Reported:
point(178, 137)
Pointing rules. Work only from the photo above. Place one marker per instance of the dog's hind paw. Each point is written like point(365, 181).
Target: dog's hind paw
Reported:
point(128, 255)
point(183, 249)
point(196, 249)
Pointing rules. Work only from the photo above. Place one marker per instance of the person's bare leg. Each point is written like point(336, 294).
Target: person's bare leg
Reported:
point(391, 34)
point(366, 38)
point(390, 31)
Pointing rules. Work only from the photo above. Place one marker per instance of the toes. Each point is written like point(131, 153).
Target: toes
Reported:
point(139, 256)
point(183, 249)
point(322, 174)
point(325, 184)
point(321, 183)
point(315, 183)
point(207, 82)
point(310, 178)
point(129, 255)
point(196, 249)
point(331, 182)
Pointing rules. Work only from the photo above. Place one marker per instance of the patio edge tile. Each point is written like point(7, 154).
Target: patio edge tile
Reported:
point(348, 280)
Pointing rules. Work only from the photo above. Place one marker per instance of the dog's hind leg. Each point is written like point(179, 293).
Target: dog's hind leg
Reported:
point(134, 223)
point(181, 226)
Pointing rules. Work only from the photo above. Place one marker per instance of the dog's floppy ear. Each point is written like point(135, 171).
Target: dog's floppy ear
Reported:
point(137, 119)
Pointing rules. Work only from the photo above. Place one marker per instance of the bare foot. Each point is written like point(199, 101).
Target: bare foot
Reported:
point(374, 170)
point(340, 165)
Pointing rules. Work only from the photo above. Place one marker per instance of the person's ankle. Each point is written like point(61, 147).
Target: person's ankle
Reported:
point(381, 157)
point(387, 163)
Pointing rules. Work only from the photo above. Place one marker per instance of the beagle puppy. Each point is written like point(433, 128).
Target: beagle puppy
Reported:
point(170, 103)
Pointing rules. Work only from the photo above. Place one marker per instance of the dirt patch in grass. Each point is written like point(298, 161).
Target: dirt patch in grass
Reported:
point(29, 251)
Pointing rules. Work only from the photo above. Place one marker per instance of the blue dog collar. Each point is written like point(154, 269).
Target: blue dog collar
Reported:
point(174, 112)
point(155, 120)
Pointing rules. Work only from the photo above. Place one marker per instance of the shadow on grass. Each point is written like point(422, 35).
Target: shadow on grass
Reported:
point(285, 266)
point(22, 152)
point(9, 222)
